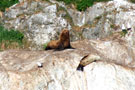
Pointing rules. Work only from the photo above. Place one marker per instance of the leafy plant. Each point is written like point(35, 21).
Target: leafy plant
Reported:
point(112, 26)
point(10, 37)
point(45, 45)
point(133, 1)
point(124, 32)
point(82, 5)
point(68, 1)
point(7, 3)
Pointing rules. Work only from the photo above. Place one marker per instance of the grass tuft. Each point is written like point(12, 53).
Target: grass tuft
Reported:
point(7, 3)
point(82, 5)
point(133, 1)
point(45, 45)
point(10, 38)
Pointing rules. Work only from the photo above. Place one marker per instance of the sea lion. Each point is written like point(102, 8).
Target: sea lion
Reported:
point(87, 60)
point(62, 43)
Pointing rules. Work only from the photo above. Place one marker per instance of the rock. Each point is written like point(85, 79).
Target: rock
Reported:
point(115, 70)
point(38, 20)
point(78, 17)
point(56, 70)
point(103, 18)
point(42, 21)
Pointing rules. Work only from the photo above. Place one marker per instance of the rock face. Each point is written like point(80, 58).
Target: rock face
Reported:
point(115, 71)
point(103, 18)
point(42, 21)
point(38, 20)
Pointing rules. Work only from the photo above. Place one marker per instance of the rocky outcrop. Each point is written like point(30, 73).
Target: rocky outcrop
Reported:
point(42, 21)
point(115, 70)
point(103, 18)
point(37, 19)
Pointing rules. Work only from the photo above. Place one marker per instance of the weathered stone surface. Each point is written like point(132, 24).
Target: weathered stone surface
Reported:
point(37, 19)
point(115, 71)
point(42, 21)
point(103, 18)
point(109, 17)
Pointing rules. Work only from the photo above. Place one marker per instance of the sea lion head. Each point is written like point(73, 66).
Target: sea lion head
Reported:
point(64, 35)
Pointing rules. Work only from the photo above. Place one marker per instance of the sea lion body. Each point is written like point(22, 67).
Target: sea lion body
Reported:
point(87, 60)
point(62, 43)
point(53, 45)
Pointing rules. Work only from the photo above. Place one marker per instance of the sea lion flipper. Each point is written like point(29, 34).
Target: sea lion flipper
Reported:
point(60, 47)
point(80, 67)
point(70, 47)
point(47, 48)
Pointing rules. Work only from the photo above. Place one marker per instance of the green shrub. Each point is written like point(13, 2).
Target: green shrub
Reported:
point(133, 1)
point(68, 1)
point(82, 5)
point(124, 32)
point(45, 45)
point(7, 3)
point(10, 36)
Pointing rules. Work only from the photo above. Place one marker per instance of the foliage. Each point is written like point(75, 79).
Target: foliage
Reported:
point(112, 26)
point(133, 1)
point(124, 32)
point(7, 3)
point(68, 1)
point(82, 4)
point(45, 45)
point(10, 37)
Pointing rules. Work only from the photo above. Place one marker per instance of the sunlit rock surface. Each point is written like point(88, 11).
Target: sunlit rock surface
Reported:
point(42, 21)
point(37, 19)
point(115, 70)
point(103, 18)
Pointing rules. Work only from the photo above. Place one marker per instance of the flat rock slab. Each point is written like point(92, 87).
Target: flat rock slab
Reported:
point(19, 69)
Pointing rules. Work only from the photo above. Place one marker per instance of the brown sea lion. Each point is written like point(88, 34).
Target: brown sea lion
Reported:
point(87, 60)
point(62, 43)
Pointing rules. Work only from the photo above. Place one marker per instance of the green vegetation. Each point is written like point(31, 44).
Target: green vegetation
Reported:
point(44, 46)
point(7, 3)
point(112, 26)
point(82, 4)
point(68, 1)
point(124, 32)
point(133, 1)
point(10, 38)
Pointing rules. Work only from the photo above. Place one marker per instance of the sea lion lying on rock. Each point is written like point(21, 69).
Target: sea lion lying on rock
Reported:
point(87, 60)
point(62, 43)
